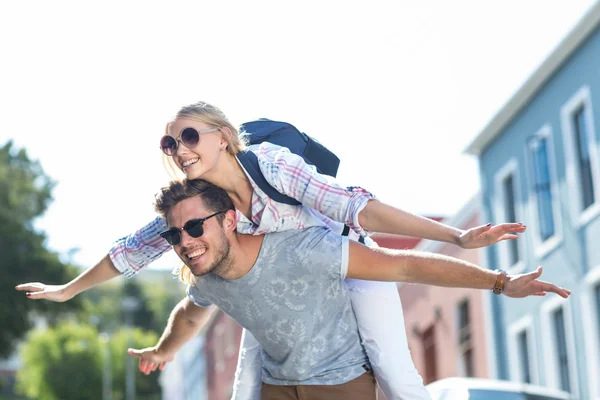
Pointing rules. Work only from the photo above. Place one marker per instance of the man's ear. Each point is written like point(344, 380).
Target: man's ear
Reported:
point(230, 221)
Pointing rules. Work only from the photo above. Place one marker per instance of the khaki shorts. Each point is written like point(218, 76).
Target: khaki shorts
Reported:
point(361, 388)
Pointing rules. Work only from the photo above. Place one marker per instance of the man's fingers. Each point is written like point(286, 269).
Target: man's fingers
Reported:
point(143, 366)
point(134, 353)
point(162, 365)
point(550, 287)
point(534, 274)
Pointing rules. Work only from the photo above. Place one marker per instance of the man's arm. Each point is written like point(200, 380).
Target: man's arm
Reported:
point(185, 322)
point(439, 270)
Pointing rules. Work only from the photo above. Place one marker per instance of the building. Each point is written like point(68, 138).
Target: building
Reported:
point(185, 377)
point(223, 337)
point(446, 327)
point(539, 163)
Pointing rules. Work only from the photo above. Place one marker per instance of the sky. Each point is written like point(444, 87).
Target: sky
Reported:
point(397, 89)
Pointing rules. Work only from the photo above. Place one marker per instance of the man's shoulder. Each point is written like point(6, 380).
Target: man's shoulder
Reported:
point(316, 239)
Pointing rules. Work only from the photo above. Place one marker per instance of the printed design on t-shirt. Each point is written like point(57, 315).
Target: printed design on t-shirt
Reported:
point(285, 333)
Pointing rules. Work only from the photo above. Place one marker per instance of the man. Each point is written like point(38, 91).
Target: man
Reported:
point(287, 289)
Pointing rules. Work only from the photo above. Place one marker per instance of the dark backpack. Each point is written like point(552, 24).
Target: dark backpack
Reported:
point(285, 135)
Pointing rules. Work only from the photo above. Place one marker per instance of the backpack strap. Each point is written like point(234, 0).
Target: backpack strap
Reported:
point(249, 161)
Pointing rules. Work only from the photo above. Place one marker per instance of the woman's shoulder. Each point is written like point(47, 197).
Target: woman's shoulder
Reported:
point(270, 152)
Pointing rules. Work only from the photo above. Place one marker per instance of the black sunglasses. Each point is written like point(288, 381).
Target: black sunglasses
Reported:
point(189, 137)
point(193, 227)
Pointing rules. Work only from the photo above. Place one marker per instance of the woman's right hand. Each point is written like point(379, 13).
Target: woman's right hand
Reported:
point(38, 290)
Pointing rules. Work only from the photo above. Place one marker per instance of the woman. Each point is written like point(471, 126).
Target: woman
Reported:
point(202, 143)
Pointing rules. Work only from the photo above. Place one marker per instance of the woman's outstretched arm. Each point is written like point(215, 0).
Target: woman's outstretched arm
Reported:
point(358, 208)
point(380, 217)
point(128, 256)
point(101, 272)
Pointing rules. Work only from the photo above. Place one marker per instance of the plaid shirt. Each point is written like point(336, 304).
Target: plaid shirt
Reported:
point(324, 203)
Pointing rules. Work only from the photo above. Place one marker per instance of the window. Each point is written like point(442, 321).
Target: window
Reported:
point(590, 325)
point(522, 354)
point(544, 201)
point(597, 315)
point(219, 345)
point(561, 349)
point(465, 348)
point(581, 155)
point(230, 333)
point(523, 344)
point(508, 187)
point(429, 351)
point(508, 209)
point(581, 137)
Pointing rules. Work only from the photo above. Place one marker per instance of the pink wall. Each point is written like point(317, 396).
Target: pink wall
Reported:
point(222, 346)
point(420, 304)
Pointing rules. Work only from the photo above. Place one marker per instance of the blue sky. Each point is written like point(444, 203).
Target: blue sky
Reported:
point(396, 88)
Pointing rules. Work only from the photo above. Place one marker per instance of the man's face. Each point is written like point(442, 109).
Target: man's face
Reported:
point(203, 254)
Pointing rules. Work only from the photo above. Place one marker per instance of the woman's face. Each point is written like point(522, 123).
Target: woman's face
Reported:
point(198, 160)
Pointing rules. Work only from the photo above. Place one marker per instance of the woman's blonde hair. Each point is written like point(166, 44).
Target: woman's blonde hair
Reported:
point(210, 115)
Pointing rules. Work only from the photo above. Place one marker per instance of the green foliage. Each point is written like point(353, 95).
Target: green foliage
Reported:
point(25, 193)
point(67, 362)
point(147, 387)
point(61, 363)
point(103, 304)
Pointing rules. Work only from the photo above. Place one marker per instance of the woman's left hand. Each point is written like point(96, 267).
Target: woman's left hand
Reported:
point(489, 234)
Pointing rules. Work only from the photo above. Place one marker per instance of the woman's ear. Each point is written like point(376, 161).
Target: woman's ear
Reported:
point(226, 137)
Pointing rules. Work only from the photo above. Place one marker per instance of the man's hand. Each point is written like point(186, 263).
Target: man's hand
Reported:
point(38, 290)
point(524, 285)
point(486, 235)
point(150, 359)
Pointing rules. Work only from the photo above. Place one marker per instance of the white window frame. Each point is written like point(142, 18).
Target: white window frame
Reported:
point(514, 330)
point(543, 247)
point(581, 98)
point(590, 315)
point(549, 344)
point(510, 168)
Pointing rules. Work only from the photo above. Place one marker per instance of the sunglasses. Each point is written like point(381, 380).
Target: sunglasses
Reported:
point(194, 228)
point(189, 137)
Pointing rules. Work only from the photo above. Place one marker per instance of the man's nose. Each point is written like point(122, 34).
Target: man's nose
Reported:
point(186, 239)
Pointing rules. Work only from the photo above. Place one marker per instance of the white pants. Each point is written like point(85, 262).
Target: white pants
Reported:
point(381, 325)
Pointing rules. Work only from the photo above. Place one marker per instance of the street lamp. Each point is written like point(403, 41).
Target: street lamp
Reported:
point(107, 371)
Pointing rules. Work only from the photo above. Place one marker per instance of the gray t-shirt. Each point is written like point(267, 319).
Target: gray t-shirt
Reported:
point(296, 304)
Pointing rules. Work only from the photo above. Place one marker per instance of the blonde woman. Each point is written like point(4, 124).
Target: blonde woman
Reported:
point(201, 143)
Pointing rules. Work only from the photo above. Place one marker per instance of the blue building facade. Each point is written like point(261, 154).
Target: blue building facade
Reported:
point(539, 162)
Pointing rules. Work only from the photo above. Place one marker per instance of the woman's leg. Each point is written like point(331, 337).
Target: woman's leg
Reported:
point(381, 325)
point(248, 375)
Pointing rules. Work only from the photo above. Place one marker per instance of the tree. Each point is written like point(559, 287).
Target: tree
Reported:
point(146, 386)
point(62, 363)
point(67, 362)
point(25, 193)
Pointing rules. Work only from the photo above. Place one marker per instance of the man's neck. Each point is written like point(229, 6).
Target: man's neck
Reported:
point(243, 253)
